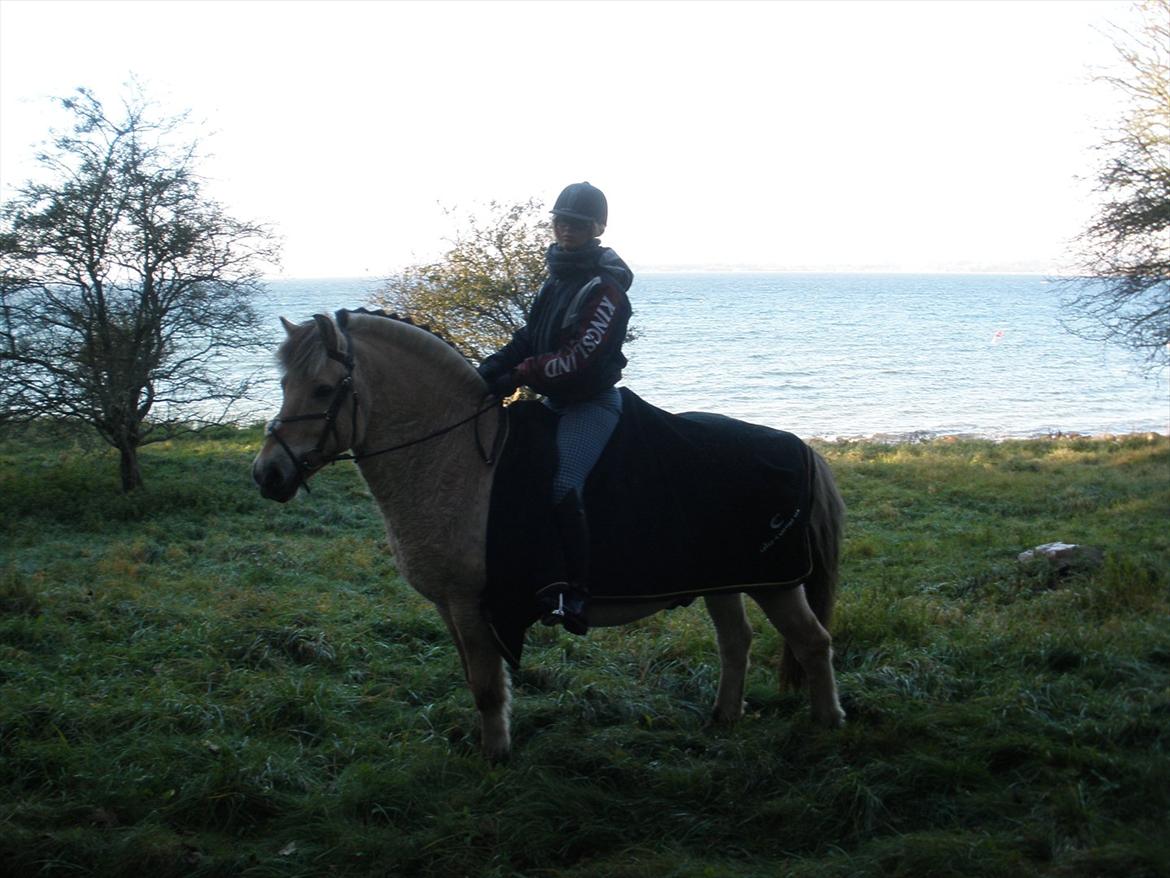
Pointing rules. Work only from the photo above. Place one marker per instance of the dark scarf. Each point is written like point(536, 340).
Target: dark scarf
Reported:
point(564, 263)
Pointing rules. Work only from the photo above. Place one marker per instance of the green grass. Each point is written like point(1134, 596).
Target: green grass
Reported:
point(194, 681)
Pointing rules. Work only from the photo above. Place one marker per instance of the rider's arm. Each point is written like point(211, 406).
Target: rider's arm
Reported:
point(507, 358)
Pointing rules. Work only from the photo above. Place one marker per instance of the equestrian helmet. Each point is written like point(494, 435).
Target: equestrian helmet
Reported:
point(582, 201)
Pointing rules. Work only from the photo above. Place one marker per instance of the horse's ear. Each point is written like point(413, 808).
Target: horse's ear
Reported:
point(328, 332)
point(288, 327)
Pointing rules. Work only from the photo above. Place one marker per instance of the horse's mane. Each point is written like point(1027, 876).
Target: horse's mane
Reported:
point(303, 352)
point(406, 318)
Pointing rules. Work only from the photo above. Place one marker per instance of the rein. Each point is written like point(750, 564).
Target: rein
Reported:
point(316, 458)
point(486, 456)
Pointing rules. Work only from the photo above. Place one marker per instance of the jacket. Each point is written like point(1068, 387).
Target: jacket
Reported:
point(570, 349)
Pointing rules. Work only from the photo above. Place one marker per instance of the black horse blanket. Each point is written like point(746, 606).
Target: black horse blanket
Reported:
point(678, 505)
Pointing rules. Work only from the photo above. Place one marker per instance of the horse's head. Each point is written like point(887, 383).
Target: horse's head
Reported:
point(319, 413)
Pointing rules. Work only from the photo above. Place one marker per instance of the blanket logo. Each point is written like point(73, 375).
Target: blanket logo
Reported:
point(780, 525)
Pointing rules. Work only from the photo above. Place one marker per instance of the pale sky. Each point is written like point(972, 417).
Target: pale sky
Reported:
point(785, 135)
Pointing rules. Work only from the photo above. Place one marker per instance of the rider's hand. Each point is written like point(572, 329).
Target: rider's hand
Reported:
point(503, 386)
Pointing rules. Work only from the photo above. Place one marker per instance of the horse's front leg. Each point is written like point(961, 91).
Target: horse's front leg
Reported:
point(734, 634)
point(486, 677)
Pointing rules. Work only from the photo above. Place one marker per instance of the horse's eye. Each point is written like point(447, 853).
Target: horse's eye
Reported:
point(323, 391)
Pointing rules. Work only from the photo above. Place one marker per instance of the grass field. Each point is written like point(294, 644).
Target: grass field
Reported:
point(194, 681)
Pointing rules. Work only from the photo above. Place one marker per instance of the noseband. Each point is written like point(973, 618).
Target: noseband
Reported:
point(316, 458)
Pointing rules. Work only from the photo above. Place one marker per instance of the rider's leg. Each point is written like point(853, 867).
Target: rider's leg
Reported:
point(565, 603)
point(583, 430)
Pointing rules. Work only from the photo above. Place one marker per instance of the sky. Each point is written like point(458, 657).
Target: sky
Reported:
point(936, 135)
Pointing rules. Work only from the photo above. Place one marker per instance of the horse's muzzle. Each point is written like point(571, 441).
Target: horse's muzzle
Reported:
point(276, 479)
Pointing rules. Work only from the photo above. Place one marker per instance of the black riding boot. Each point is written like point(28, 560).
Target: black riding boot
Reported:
point(565, 603)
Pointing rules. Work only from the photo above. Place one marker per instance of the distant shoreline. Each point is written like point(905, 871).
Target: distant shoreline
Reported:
point(926, 437)
point(669, 270)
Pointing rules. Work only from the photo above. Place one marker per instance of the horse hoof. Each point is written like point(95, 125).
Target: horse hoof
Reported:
point(833, 720)
point(722, 717)
point(497, 753)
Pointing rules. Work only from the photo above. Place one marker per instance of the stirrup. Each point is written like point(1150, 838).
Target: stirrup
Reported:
point(556, 615)
point(571, 613)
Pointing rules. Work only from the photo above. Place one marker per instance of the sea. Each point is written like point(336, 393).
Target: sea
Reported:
point(896, 357)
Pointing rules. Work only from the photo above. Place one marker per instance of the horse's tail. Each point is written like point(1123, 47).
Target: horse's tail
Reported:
point(826, 529)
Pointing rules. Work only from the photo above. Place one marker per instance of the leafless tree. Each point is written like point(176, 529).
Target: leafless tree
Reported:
point(123, 289)
point(1124, 254)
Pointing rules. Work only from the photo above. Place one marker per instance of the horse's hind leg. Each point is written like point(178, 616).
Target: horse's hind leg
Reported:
point(789, 611)
point(486, 677)
point(734, 634)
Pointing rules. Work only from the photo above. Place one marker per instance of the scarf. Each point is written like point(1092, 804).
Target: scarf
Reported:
point(564, 263)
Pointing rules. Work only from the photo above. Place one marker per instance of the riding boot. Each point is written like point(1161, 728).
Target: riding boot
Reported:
point(565, 603)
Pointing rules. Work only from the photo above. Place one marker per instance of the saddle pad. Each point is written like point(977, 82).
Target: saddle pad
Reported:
point(678, 506)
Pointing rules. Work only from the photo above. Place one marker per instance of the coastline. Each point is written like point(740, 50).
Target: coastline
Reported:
point(927, 437)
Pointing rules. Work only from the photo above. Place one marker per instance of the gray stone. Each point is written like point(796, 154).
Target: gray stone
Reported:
point(1065, 556)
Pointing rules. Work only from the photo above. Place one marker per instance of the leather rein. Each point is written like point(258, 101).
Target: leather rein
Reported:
point(316, 458)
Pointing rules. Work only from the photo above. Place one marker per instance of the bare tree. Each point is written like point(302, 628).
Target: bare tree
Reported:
point(1124, 254)
point(122, 287)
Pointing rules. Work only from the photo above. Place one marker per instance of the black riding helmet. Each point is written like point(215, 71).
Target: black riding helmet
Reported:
point(582, 201)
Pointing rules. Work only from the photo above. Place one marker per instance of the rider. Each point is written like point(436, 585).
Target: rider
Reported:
point(570, 350)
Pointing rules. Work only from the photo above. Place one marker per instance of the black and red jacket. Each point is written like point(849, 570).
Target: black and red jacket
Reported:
point(571, 347)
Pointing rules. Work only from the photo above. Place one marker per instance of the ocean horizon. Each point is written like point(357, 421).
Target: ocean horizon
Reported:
point(840, 355)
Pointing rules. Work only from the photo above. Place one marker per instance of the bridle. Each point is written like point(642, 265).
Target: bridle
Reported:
point(316, 458)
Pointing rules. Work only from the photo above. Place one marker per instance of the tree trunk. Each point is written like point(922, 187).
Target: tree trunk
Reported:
point(131, 474)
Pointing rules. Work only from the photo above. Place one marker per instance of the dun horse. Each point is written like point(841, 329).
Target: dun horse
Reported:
point(405, 403)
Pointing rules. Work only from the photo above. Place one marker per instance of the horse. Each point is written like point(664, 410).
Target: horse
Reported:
point(410, 410)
